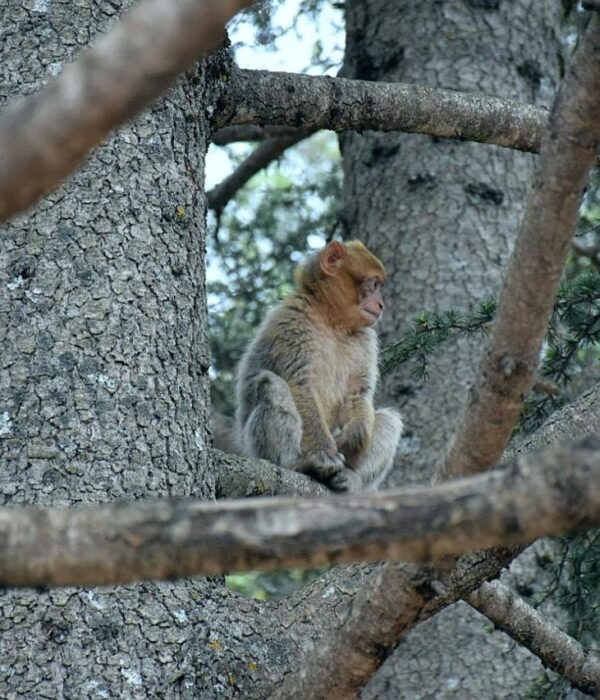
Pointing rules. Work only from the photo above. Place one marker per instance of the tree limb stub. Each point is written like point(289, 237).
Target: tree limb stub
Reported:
point(241, 477)
point(116, 543)
point(507, 371)
point(45, 136)
point(340, 104)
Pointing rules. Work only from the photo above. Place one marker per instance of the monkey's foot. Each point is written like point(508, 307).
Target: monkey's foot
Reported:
point(323, 465)
point(346, 481)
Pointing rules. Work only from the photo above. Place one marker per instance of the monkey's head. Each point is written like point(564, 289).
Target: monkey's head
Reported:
point(345, 279)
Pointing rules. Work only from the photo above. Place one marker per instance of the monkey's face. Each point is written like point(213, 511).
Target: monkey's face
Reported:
point(370, 300)
point(346, 279)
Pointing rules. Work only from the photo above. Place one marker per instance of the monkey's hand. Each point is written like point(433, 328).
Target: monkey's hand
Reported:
point(323, 464)
point(345, 481)
point(354, 439)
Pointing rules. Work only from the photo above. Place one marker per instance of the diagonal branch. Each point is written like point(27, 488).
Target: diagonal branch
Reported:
point(316, 102)
point(263, 155)
point(535, 267)
point(557, 650)
point(44, 137)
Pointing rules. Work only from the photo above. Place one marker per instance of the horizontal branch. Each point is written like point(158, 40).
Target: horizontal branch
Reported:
point(250, 132)
point(340, 104)
point(45, 136)
point(557, 650)
point(540, 494)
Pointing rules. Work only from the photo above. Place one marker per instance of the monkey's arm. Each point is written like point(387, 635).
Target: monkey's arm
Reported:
point(357, 427)
point(320, 455)
point(376, 461)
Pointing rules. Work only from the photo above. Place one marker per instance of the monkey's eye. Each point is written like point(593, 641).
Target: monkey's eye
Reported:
point(369, 285)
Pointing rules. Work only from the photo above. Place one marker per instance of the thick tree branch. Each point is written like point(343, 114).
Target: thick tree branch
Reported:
point(263, 155)
point(508, 368)
point(312, 102)
point(285, 99)
point(45, 136)
point(395, 598)
point(239, 477)
point(557, 650)
point(540, 494)
point(233, 134)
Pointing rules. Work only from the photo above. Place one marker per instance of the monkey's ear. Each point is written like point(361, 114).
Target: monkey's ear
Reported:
point(331, 257)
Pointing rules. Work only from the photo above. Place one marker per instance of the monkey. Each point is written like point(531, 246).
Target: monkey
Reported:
point(305, 384)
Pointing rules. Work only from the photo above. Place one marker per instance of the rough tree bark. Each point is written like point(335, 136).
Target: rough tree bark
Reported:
point(103, 376)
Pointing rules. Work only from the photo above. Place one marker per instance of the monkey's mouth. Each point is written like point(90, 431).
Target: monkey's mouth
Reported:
point(371, 316)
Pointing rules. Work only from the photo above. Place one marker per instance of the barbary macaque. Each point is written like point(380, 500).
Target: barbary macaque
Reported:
point(306, 382)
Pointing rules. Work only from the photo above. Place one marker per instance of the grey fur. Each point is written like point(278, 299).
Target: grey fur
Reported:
point(273, 429)
point(326, 366)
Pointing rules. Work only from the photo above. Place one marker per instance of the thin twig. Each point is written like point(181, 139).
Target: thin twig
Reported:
point(261, 156)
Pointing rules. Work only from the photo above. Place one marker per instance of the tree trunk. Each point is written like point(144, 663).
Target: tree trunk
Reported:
point(443, 214)
point(104, 379)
